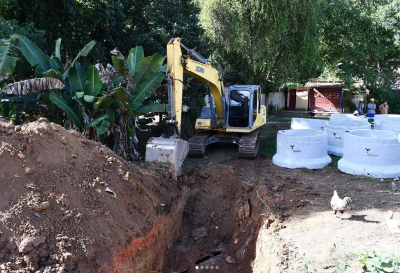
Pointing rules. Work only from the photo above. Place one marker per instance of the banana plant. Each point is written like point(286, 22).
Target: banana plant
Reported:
point(143, 75)
point(7, 62)
point(89, 99)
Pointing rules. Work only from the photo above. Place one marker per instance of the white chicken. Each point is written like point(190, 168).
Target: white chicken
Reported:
point(338, 204)
point(393, 224)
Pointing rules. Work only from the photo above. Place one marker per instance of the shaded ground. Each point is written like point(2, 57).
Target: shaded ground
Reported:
point(224, 214)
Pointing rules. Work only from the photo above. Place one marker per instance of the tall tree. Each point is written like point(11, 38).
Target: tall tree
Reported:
point(363, 37)
point(266, 42)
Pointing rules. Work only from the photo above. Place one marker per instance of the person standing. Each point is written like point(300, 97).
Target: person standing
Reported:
point(360, 107)
point(371, 111)
point(384, 108)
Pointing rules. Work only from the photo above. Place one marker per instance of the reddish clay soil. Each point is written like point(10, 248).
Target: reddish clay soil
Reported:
point(224, 214)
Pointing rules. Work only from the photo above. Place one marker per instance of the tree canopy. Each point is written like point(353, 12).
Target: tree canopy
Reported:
point(265, 42)
point(363, 37)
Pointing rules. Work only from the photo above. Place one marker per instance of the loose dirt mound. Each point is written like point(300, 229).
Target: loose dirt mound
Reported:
point(70, 205)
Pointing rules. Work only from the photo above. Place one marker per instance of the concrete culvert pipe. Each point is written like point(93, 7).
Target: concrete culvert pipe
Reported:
point(336, 130)
point(307, 123)
point(379, 120)
point(390, 124)
point(348, 116)
point(303, 148)
point(374, 153)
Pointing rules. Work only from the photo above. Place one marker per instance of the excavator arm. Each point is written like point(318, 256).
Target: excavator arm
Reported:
point(167, 153)
point(197, 67)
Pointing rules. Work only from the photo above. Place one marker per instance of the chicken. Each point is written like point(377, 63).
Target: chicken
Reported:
point(393, 224)
point(338, 204)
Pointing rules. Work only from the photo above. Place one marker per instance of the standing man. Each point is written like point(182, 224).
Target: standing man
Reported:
point(360, 107)
point(371, 112)
point(384, 108)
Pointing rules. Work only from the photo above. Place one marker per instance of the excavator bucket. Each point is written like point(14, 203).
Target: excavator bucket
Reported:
point(166, 154)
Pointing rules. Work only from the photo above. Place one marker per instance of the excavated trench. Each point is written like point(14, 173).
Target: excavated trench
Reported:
point(220, 226)
point(220, 221)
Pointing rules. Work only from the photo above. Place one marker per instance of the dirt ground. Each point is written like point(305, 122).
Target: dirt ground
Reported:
point(71, 205)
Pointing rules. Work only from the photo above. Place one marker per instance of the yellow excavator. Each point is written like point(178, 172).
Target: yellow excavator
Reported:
point(233, 116)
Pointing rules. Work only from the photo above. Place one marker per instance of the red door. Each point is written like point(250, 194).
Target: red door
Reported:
point(325, 99)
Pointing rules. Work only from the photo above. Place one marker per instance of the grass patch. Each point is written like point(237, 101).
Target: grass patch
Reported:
point(372, 180)
point(265, 131)
point(334, 163)
point(285, 120)
point(267, 148)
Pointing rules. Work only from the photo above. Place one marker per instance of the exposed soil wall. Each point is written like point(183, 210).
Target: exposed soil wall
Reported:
point(57, 211)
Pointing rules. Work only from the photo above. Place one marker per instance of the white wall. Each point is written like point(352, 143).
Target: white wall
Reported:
point(277, 98)
point(302, 100)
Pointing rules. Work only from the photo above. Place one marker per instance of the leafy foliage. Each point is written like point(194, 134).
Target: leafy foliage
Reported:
point(264, 42)
point(363, 37)
point(392, 96)
point(374, 262)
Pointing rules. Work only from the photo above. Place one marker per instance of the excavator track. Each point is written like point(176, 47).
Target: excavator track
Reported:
point(249, 144)
point(197, 145)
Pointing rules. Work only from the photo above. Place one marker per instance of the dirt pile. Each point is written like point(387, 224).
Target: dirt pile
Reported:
point(70, 205)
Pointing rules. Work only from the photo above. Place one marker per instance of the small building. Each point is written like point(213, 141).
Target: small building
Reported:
point(316, 96)
point(325, 96)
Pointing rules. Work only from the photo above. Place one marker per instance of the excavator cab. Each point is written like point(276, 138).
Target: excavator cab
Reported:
point(243, 106)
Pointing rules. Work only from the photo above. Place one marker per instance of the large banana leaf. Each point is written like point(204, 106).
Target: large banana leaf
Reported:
point(77, 77)
point(119, 65)
point(36, 85)
point(117, 94)
point(34, 54)
point(104, 125)
point(146, 68)
point(95, 122)
point(111, 114)
point(101, 123)
point(56, 64)
point(117, 80)
point(84, 52)
point(104, 100)
point(135, 56)
point(93, 82)
point(72, 110)
point(7, 63)
point(145, 89)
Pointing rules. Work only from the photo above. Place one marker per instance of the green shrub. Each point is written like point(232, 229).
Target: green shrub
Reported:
point(374, 262)
point(392, 96)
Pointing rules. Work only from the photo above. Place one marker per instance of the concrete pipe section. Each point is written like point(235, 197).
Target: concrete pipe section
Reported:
point(379, 120)
point(336, 130)
point(302, 148)
point(374, 153)
point(308, 123)
point(390, 124)
point(348, 116)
